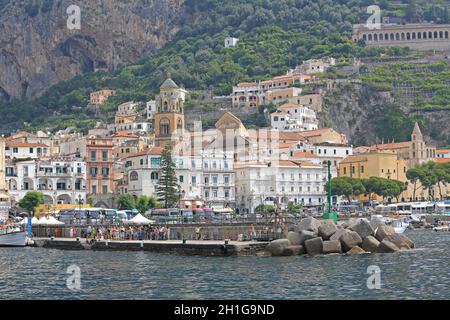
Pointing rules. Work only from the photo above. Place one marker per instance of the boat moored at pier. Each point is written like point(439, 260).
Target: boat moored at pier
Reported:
point(12, 236)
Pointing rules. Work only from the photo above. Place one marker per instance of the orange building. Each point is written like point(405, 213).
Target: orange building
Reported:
point(99, 166)
point(100, 97)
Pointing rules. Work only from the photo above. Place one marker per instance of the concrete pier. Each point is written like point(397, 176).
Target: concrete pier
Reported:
point(191, 247)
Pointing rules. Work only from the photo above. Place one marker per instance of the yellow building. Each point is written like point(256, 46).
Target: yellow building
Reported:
point(415, 152)
point(386, 164)
point(379, 163)
point(169, 117)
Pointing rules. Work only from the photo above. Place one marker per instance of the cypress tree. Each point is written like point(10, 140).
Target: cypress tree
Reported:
point(167, 187)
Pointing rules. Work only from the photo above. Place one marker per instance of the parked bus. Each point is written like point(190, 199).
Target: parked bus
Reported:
point(166, 216)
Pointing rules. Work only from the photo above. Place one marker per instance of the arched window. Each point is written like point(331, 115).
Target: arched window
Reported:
point(408, 36)
point(403, 36)
point(370, 37)
point(413, 35)
point(446, 35)
point(180, 124)
point(441, 35)
point(164, 127)
point(386, 36)
point(424, 35)
point(375, 37)
point(435, 35)
point(392, 36)
point(134, 176)
point(419, 35)
point(154, 175)
point(166, 106)
point(364, 37)
point(397, 36)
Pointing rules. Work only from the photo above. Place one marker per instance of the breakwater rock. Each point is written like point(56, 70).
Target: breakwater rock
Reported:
point(313, 237)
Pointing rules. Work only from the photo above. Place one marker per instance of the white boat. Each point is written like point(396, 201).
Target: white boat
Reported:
point(12, 236)
point(442, 228)
point(399, 225)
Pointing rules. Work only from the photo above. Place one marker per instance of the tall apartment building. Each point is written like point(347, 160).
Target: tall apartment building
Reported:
point(99, 166)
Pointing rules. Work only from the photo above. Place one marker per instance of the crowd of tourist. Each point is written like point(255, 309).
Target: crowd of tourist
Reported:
point(122, 233)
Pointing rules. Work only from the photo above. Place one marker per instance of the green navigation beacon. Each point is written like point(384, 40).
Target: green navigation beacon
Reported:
point(329, 214)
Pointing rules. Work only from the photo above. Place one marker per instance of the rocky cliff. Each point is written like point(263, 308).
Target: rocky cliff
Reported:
point(367, 116)
point(37, 49)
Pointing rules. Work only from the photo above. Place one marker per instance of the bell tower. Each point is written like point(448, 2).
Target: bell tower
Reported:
point(418, 148)
point(169, 116)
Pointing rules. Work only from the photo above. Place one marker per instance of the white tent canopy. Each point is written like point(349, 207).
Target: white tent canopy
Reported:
point(51, 221)
point(34, 221)
point(139, 219)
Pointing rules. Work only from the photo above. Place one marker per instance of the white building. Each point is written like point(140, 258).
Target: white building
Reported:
point(278, 183)
point(316, 65)
point(333, 152)
point(26, 150)
point(231, 42)
point(62, 182)
point(207, 176)
point(151, 109)
point(292, 117)
point(443, 153)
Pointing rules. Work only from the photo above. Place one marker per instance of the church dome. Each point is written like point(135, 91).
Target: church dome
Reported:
point(169, 84)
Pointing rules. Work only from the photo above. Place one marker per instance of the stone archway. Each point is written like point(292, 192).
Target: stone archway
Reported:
point(64, 199)
point(48, 199)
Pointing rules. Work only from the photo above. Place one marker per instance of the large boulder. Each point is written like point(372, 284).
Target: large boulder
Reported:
point(293, 251)
point(384, 231)
point(306, 235)
point(370, 244)
point(363, 228)
point(376, 223)
point(277, 247)
point(349, 240)
point(332, 246)
point(355, 250)
point(401, 241)
point(314, 246)
point(338, 234)
point(387, 247)
point(294, 238)
point(326, 229)
point(309, 224)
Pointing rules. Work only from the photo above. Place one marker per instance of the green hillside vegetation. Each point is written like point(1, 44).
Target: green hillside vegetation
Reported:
point(430, 82)
point(274, 36)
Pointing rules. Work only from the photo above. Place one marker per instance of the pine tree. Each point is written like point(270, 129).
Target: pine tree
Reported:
point(167, 187)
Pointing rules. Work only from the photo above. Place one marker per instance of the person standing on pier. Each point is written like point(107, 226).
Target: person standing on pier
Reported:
point(251, 232)
point(197, 233)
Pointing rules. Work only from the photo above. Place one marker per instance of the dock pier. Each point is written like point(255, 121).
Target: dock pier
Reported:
point(190, 247)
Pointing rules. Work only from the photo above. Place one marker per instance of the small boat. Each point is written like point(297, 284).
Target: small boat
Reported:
point(442, 228)
point(399, 225)
point(12, 236)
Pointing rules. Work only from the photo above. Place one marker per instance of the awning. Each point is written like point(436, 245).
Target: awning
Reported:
point(198, 203)
point(187, 203)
